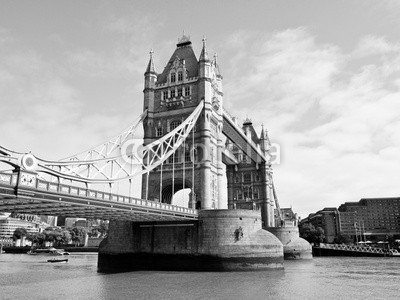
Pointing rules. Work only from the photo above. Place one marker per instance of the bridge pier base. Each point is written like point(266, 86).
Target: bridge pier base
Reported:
point(294, 247)
point(220, 240)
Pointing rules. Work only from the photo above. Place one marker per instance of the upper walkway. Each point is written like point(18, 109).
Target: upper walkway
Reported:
point(24, 192)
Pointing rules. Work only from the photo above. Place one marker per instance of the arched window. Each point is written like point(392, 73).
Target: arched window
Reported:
point(174, 124)
point(180, 76)
point(173, 77)
point(239, 194)
point(247, 177)
point(247, 192)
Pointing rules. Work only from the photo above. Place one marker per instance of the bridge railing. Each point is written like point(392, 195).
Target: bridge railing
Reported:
point(367, 249)
point(8, 179)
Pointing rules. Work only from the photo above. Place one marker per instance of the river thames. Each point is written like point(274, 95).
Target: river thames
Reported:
point(30, 277)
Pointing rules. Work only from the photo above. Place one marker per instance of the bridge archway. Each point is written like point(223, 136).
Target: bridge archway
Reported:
point(171, 188)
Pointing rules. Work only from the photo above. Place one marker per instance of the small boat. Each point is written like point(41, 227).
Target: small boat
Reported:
point(48, 251)
point(57, 260)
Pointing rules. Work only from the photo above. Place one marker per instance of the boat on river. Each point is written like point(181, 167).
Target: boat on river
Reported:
point(54, 260)
point(47, 251)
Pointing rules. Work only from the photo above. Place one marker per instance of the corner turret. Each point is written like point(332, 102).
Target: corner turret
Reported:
point(265, 143)
point(204, 62)
point(150, 79)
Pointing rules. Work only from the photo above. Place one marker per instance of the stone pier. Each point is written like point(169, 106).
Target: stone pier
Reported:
point(220, 240)
point(294, 247)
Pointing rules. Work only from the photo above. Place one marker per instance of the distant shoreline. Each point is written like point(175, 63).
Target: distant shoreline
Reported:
point(19, 250)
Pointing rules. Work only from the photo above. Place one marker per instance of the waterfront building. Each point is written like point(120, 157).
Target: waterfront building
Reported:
point(328, 219)
point(370, 219)
point(9, 224)
point(286, 218)
point(75, 222)
point(375, 219)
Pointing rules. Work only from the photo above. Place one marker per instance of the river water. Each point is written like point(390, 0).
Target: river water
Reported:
point(30, 277)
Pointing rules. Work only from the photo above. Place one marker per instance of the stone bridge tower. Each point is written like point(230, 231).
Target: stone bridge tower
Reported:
point(249, 182)
point(170, 97)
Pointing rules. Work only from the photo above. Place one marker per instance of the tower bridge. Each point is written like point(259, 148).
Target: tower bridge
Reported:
point(190, 142)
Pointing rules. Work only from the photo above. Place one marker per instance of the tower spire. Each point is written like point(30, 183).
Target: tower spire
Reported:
point(150, 65)
point(215, 59)
point(204, 54)
point(265, 143)
point(262, 132)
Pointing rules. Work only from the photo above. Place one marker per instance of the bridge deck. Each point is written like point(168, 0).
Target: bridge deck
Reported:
point(30, 195)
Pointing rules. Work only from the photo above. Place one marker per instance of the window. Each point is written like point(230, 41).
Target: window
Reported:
point(213, 128)
point(212, 155)
point(246, 193)
point(173, 93)
point(180, 76)
point(159, 131)
point(165, 94)
point(187, 91)
point(255, 193)
point(188, 157)
point(174, 158)
point(247, 177)
point(173, 77)
point(239, 194)
point(179, 92)
point(174, 124)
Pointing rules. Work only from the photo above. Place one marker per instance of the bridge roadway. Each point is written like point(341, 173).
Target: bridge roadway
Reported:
point(23, 192)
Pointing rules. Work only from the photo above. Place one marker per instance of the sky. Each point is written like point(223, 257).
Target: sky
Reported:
point(322, 76)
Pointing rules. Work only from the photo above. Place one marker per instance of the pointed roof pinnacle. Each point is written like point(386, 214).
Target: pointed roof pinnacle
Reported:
point(215, 58)
point(264, 135)
point(150, 66)
point(204, 54)
point(267, 137)
point(247, 122)
point(262, 132)
point(184, 40)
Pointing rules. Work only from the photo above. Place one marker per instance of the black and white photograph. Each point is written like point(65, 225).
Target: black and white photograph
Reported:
point(199, 149)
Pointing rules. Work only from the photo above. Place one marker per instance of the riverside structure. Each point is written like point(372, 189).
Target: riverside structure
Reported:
point(190, 142)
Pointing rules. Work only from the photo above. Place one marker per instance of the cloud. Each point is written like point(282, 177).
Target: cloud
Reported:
point(335, 114)
point(333, 111)
point(373, 45)
point(57, 103)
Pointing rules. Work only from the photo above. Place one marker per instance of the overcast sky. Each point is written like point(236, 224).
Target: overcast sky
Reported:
point(322, 76)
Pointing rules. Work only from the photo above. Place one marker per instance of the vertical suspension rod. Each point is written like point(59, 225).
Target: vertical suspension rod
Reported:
point(147, 176)
point(161, 181)
point(173, 175)
point(183, 171)
point(192, 200)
